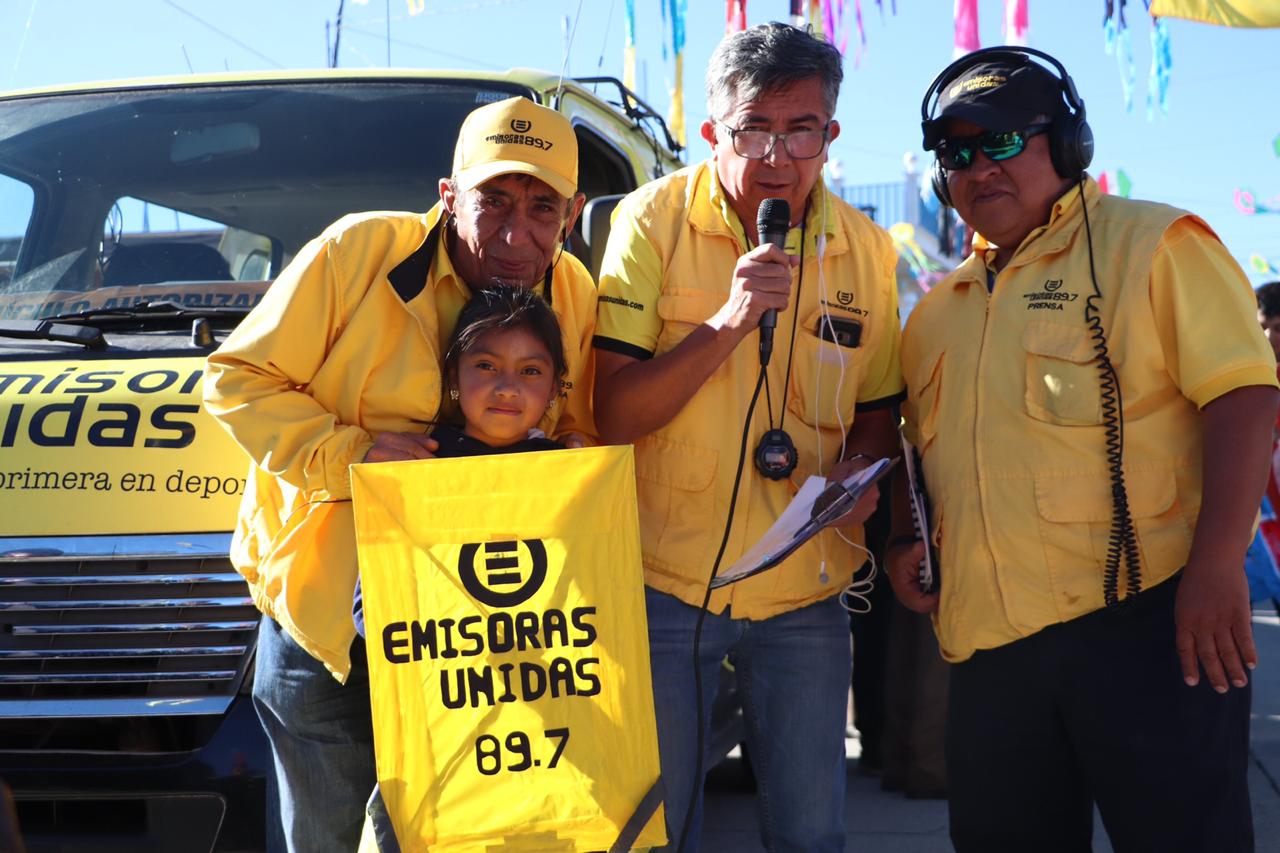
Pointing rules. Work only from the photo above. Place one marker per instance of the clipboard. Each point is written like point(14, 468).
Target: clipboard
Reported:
point(817, 504)
point(927, 573)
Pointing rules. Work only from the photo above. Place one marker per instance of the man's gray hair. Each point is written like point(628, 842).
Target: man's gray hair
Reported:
point(766, 58)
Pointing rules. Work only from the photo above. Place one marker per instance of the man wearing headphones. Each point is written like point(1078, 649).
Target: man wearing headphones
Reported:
point(685, 282)
point(340, 363)
point(1093, 402)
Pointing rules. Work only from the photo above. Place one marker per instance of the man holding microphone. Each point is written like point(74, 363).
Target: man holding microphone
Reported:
point(686, 281)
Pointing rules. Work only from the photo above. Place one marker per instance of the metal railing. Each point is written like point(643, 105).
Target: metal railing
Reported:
point(902, 201)
point(882, 202)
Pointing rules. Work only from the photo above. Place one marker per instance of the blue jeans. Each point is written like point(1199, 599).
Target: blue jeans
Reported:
point(792, 673)
point(321, 735)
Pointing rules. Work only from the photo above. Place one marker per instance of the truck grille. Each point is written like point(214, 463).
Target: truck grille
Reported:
point(80, 631)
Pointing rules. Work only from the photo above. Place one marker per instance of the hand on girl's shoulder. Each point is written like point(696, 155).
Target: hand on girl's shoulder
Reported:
point(401, 446)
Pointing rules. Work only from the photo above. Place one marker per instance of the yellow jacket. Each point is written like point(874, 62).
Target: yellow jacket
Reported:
point(346, 344)
point(1004, 402)
point(668, 268)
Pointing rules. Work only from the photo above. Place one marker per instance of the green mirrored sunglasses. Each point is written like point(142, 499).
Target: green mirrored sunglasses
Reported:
point(956, 155)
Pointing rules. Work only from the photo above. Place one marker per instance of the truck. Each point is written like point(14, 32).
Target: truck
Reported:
point(139, 222)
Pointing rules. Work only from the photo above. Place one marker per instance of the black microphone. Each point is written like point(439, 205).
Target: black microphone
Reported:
point(772, 222)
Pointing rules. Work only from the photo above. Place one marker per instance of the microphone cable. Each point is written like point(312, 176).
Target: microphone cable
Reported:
point(702, 616)
point(1123, 541)
point(762, 381)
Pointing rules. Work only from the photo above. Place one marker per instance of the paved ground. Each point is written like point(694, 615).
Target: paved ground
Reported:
point(879, 821)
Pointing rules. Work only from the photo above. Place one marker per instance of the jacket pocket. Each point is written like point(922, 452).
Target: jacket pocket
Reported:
point(1061, 374)
point(1075, 528)
point(677, 501)
point(824, 378)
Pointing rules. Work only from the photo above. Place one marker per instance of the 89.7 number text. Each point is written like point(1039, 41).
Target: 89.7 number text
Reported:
point(489, 752)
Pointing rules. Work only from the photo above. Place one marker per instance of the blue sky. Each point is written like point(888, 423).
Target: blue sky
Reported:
point(1217, 136)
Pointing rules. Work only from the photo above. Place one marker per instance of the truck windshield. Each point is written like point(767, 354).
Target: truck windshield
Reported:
point(200, 194)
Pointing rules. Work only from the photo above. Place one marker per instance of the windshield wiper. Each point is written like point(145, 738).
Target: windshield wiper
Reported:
point(45, 330)
point(147, 313)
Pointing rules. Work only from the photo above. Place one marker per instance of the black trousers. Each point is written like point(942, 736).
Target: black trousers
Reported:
point(1095, 710)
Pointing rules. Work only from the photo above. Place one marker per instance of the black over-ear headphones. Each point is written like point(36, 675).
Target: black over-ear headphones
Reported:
point(1070, 137)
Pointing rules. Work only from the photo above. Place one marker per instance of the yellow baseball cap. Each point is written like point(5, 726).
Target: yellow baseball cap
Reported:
point(517, 136)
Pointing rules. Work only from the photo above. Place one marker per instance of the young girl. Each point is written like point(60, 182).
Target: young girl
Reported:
point(502, 371)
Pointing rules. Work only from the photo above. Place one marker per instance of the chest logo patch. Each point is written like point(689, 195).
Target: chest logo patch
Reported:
point(1051, 297)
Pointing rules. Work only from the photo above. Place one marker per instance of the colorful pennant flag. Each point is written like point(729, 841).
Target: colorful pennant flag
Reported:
point(1161, 68)
point(677, 12)
point(862, 32)
point(833, 22)
point(735, 16)
point(1115, 182)
point(1262, 266)
point(1225, 13)
point(629, 50)
point(1015, 21)
point(926, 271)
point(1115, 31)
point(1247, 203)
point(967, 39)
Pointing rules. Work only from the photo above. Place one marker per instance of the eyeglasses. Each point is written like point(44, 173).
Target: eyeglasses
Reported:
point(956, 155)
point(758, 144)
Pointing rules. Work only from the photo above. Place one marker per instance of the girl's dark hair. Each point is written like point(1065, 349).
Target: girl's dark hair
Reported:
point(498, 308)
point(1269, 299)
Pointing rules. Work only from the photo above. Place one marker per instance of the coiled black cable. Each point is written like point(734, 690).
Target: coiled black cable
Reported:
point(1123, 540)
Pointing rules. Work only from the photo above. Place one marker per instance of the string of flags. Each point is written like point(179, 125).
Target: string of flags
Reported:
point(1115, 36)
point(1115, 182)
point(1249, 204)
point(1263, 266)
point(926, 271)
point(1161, 68)
point(1015, 22)
point(1116, 40)
point(831, 19)
point(629, 50)
point(674, 13)
point(735, 16)
point(966, 17)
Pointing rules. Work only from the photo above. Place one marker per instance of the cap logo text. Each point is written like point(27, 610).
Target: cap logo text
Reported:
point(982, 81)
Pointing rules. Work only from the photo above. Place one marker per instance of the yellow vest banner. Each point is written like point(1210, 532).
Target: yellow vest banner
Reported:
point(508, 651)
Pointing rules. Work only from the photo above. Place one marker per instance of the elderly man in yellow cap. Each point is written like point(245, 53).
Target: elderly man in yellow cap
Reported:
point(340, 363)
